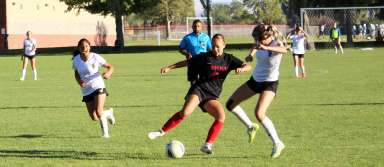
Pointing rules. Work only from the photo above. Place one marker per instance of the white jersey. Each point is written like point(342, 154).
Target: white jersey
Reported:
point(89, 72)
point(298, 43)
point(29, 45)
point(267, 66)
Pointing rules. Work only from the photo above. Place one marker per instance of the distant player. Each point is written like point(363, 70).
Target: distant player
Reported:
point(335, 36)
point(86, 65)
point(264, 81)
point(209, 70)
point(298, 48)
point(29, 46)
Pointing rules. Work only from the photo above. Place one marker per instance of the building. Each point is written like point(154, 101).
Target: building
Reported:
point(51, 24)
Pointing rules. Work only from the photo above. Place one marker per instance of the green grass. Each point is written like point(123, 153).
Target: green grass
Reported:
point(333, 118)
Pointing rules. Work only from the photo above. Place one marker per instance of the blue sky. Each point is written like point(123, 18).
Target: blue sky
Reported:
point(199, 8)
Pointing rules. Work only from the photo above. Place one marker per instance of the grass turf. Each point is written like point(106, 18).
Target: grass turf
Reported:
point(332, 118)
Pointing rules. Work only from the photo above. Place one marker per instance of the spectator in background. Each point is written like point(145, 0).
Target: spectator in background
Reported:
point(321, 31)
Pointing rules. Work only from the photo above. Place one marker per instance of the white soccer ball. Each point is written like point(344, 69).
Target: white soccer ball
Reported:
point(175, 149)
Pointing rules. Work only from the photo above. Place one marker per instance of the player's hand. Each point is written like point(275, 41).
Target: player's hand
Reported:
point(164, 70)
point(239, 70)
point(107, 75)
point(189, 56)
point(82, 84)
point(249, 58)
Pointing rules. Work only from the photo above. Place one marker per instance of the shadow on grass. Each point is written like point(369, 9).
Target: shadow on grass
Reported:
point(24, 136)
point(345, 104)
point(90, 155)
point(114, 106)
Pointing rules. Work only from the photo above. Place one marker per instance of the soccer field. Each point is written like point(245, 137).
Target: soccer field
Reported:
point(333, 118)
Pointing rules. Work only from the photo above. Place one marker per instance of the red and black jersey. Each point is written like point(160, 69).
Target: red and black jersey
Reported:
point(209, 71)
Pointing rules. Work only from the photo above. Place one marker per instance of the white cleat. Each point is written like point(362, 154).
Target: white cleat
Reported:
point(22, 79)
point(111, 118)
point(35, 79)
point(206, 148)
point(105, 136)
point(276, 150)
point(156, 134)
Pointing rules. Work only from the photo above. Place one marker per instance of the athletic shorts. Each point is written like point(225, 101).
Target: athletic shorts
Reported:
point(204, 97)
point(91, 97)
point(30, 57)
point(299, 55)
point(259, 87)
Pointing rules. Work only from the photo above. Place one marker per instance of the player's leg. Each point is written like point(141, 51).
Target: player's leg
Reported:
point(189, 106)
point(302, 67)
point(263, 103)
point(216, 110)
point(34, 69)
point(102, 115)
point(241, 94)
point(339, 44)
point(24, 68)
point(296, 64)
point(334, 43)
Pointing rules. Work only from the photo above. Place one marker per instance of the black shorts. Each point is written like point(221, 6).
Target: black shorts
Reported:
point(204, 97)
point(91, 97)
point(259, 87)
point(299, 55)
point(30, 57)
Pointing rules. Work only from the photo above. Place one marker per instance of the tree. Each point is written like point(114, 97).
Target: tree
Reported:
point(221, 13)
point(117, 8)
point(170, 11)
point(207, 6)
point(268, 11)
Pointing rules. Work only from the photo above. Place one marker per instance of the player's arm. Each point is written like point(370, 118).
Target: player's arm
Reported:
point(245, 67)
point(277, 49)
point(251, 54)
point(34, 45)
point(78, 79)
point(185, 53)
point(107, 74)
point(168, 68)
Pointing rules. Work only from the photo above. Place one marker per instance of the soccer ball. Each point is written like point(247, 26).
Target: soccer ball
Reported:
point(175, 149)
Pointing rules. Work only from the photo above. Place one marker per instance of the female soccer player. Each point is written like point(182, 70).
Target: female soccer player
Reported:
point(86, 65)
point(209, 70)
point(29, 46)
point(335, 36)
point(298, 50)
point(264, 81)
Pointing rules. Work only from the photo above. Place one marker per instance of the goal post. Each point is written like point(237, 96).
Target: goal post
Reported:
point(178, 32)
point(355, 23)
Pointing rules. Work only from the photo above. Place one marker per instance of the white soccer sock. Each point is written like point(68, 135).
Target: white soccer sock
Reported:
point(303, 69)
point(35, 74)
point(242, 116)
point(270, 129)
point(341, 49)
point(23, 72)
point(107, 113)
point(296, 71)
point(104, 124)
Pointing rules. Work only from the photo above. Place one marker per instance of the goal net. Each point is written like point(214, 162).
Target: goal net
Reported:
point(355, 23)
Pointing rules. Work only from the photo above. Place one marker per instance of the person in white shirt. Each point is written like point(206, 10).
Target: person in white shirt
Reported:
point(298, 48)
point(264, 81)
point(86, 65)
point(29, 47)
